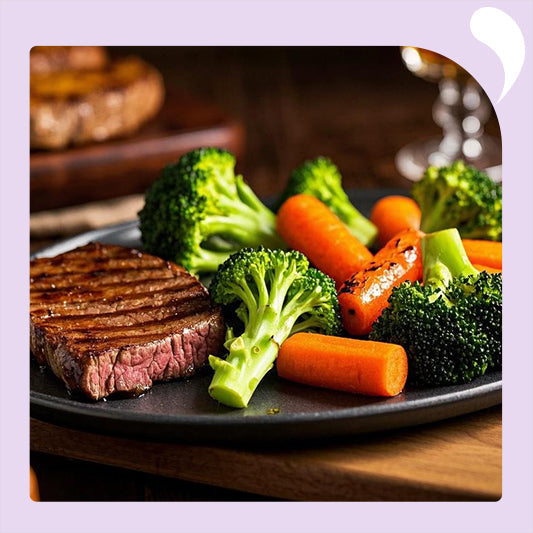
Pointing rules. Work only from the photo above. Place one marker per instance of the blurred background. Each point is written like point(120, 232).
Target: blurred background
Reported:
point(273, 107)
point(357, 105)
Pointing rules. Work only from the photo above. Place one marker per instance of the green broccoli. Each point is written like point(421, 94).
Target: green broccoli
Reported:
point(321, 178)
point(462, 197)
point(198, 212)
point(275, 295)
point(451, 326)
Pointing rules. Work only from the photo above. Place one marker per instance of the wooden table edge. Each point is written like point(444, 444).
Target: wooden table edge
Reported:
point(285, 474)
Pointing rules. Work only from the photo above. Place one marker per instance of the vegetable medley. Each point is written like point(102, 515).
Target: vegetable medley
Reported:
point(303, 284)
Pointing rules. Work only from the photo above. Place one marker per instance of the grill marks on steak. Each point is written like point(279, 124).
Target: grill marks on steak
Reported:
point(96, 264)
point(90, 300)
point(97, 286)
point(108, 319)
point(124, 312)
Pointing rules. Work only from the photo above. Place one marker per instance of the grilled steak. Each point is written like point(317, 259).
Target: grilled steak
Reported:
point(77, 107)
point(112, 319)
point(45, 59)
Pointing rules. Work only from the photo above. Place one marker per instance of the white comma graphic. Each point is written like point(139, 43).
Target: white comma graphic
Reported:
point(496, 29)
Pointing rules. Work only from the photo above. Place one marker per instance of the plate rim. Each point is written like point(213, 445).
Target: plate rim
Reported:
point(72, 407)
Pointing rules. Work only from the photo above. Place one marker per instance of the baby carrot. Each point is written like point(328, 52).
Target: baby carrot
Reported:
point(488, 253)
point(486, 268)
point(393, 214)
point(308, 226)
point(352, 365)
point(365, 294)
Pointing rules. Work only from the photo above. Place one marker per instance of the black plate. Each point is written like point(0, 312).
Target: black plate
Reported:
point(183, 411)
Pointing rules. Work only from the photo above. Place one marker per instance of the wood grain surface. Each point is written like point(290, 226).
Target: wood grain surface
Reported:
point(458, 459)
point(129, 165)
point(357, 105)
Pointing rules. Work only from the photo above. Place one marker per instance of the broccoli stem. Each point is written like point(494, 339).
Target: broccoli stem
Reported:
point(217, 243)
point(434, 219)
point(247, 229)
point(248, 197)
point(444, 258)
point(263, 213)
point(253, 354)
point(360, 227)
point(207, 260)
point(233, 383)
point(250, 357)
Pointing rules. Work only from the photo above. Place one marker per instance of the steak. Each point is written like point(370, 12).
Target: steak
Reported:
point(77, 107)
point(108, 319)
point(46, 59)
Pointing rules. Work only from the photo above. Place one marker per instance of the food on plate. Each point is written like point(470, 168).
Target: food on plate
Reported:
point(364, 295)
point(46, 59)
point(76, 107)
point(451, 326)
point(309, 226)
point(352, 365)
point(462, 197)
point(109, 319)
point(273, 294)
point(198, 212)
point(321, 178)
point(487, 253)
point(34, 486)
point(488, 269)
point(393, 214)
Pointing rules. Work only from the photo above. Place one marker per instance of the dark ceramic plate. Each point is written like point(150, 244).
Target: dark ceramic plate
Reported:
point(280, 411)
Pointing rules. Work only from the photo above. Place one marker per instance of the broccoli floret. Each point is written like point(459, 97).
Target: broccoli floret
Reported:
point(321, 178)
point(450, 326)
point(277, 295)
point(198, 212)
point(462, 197)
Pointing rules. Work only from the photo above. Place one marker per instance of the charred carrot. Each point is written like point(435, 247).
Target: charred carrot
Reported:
point(488, 253)
point(352, 365)
point(393, 214)
point(364, 295)
point(486, 268)
point(307, 225)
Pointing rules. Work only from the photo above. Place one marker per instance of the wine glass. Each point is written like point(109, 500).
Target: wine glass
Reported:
point(461, 110)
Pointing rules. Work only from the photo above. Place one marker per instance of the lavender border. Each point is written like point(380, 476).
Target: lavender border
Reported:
point(442, 26)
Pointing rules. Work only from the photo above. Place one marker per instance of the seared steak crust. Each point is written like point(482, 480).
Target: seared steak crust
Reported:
point(112, 319)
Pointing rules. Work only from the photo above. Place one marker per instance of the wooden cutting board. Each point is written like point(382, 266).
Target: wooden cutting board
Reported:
point(129, 165)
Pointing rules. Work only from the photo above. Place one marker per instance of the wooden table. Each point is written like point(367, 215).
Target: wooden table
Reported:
point(458, 459)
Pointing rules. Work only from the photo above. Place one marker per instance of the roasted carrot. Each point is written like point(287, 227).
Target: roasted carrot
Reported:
point(352, 365)
point(364, 295)
point(488, 253)
point(308, 226)
point(393, 214)
point(486, 268)
point(34, 486)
